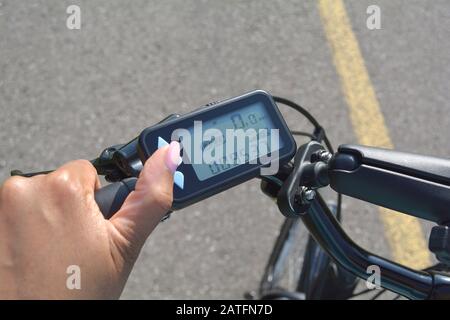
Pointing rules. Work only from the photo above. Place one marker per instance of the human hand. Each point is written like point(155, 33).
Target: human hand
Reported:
point(50, 222)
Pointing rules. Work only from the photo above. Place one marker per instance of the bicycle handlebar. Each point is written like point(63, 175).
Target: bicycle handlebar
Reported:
point(327, 231)
point(120, 162)
point(111, 197)
point(413, 184)
point(403, 176)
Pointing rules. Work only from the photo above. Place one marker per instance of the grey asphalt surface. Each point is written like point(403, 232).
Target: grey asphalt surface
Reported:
point(68, 94)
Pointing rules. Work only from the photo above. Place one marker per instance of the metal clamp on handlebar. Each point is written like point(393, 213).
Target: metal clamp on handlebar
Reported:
point(310, 172)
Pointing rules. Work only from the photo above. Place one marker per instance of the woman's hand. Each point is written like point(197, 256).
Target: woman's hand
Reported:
point(51, 228)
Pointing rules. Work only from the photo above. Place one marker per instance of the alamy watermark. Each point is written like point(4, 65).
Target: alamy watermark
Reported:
point(223, 149)
point(373, 21)
point(73, 21)
point(374, 280)
point(73, 281)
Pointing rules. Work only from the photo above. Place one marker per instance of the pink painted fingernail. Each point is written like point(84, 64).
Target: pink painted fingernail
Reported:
point(172, 159)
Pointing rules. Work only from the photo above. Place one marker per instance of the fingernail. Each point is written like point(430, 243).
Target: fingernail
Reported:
point(172, 159)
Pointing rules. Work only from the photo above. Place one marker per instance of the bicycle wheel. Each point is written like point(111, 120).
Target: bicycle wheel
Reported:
point(299, 268)
point(282, 271)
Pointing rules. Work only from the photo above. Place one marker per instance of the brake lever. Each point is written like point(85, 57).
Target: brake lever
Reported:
point(106, 165)
point(116, 163)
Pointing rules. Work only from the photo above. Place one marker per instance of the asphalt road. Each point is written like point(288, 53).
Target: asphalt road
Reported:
point(67, 94)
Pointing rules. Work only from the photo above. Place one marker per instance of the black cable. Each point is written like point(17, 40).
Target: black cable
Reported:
point(303, 133)
point(16, 172)
point(338, 209)
point(319, 130)
point(308, 116)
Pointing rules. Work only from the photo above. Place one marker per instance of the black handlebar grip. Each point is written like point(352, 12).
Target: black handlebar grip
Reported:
point(111, 197)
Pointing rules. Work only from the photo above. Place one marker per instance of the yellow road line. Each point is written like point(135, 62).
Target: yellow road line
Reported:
point(404, 233)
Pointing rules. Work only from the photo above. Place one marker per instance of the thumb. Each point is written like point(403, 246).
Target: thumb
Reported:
point(152, 198)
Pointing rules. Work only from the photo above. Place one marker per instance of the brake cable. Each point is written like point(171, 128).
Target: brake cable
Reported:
point(318, 135)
